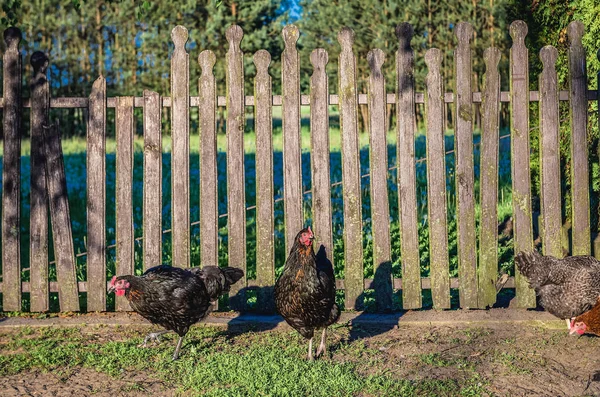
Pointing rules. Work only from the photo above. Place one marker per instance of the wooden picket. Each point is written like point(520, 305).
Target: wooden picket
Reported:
point(265, 219)
point(152, 180)
point(320, 169)
point(521, 183)
point(580, 196)
point(378, 162)
point(550, 156)
point(465, 189)
point(477, 276)
point(124, 191)
point(96, 197)
point(488, 235)
point(209, 210)
point(236, 197)
point(407, 180)
point(11, 169)
point(180, 155)
point(437, 212)
point(38, 213)
point(64, 252)
point(292, 175)
point(353, 248)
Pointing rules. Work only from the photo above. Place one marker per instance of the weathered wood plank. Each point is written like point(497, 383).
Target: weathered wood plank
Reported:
point(152, 180)
point(38, 215)
point(488, 193)
point(236, 198)
point(550, 202)
point(96, 197)
point(319, 153)
point(407, 182)
point(74, 103)
point(209, 210)
point(124, 190)
point(64, 252)
point(11, 167)
point(265, 222)
point(436, 182)
point(521, 183)
point(378, 163)
point(580, 195)
point(180, 155)
point(292, 173)
point(353, 248)
point(465, 177)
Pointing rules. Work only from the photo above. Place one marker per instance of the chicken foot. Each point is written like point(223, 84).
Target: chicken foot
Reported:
point(176, 354)
point(322, 348)
point(154, 337)
point(310, 355)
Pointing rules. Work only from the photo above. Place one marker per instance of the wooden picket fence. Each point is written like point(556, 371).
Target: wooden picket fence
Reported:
point(477, 275)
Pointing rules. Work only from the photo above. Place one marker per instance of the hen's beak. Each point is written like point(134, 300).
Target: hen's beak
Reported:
point(111, 287)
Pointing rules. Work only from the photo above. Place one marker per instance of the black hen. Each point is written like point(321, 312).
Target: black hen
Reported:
point(566, 287)
point(175, 298)
point(305, 292)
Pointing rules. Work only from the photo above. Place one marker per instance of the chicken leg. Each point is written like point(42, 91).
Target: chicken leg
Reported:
point(154, 337)
point(322, 348)
point(310, 355)
point(176, 354)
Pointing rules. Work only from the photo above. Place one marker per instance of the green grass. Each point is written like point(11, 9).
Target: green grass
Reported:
point(273, 364)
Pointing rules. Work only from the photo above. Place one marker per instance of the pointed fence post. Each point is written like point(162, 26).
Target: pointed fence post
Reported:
point(465, 177)
point(488, 191)
point(521, 176)
point(180, 155)
point(580, 188)
point(407, 181)
point(236, 197)
point(353, 247)
point(38, 214)
point(551, 216)
point(378, 163)
point(11, 168)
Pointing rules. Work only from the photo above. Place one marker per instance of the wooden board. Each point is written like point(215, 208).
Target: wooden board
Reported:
point(152, 180)
point(180, 154)
point(68, 296)
point(265, 220)
point(319, 154)
point(436, 182)
point(378, 163)
point(521, 183)
point(96, 197)
point(292, 155)
point(209, 201)
point(353, 247)
point(551, 218)
point(124, 191)
point(236, 197)
point(488, 193)
point(580, 187)
point(38, 213)
point(11, 168)
point(407, 181)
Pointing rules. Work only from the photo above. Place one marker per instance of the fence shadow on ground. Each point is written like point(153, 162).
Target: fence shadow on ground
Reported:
point(368, 324)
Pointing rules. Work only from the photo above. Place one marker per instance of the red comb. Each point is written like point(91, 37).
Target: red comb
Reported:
point(112, 280)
